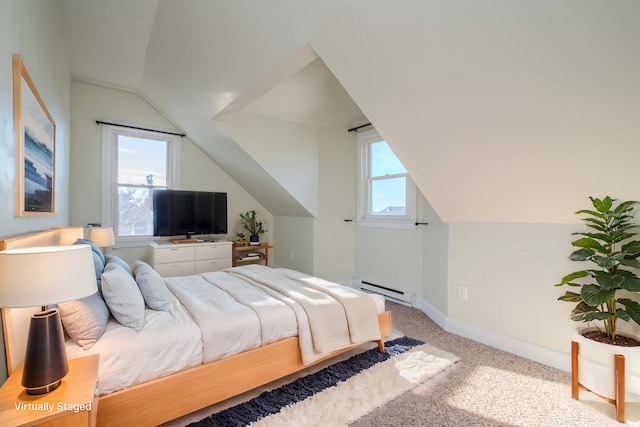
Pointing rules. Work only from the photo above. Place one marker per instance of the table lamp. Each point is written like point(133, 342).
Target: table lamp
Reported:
point(39, 276)
point(102, 237)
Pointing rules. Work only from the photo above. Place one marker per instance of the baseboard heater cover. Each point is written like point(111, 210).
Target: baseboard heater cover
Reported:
point(396, 295)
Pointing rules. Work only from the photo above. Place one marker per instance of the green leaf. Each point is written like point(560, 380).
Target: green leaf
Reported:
point(630, 262)
point(609, 281)
point(581, 310)
point(596, 224)
point(625, 206)
point(632, 308)
point(592, 213)
point(583, 254)
point(594, 295)
point(573, 276)
point(604, 261)
point(620, 235)
point(591, 244)
point(598, 236)
point(623, 315)
point(632, 248)
point(631, 282)
point(571, 297)
point(584, 313)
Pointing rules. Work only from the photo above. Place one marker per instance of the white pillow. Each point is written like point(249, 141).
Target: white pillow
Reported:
point(154, 291)
point(123, 297)
point(85, 320)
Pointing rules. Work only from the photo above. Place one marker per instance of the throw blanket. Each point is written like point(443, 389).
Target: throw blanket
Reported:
point(337, 316)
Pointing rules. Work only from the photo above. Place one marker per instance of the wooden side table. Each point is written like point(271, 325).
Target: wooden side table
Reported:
point(73, 403)
point(239, 251)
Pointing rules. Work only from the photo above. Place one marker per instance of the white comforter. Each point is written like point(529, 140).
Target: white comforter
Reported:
point(219, 314)
point(229, 326)
point(169, 342)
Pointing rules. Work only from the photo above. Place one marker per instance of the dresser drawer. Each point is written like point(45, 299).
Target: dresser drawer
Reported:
point(212, 265)
point(175, 269)
point(173, 254)
point(207, 252)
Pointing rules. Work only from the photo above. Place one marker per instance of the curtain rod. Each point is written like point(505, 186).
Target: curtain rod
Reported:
point(355, 129)
point(100, 122)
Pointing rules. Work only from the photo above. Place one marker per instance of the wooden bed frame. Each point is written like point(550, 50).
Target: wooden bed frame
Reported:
point(173, 396)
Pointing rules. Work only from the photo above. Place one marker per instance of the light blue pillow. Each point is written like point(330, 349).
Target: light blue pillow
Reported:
point(118, 260)
point(123, 297)
point(154, 291)
point(98, 256)
point(85, 320)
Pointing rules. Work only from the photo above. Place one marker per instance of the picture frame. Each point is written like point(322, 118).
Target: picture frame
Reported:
point(35, 134)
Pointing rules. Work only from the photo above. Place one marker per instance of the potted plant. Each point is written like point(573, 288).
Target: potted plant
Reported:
point(604, 290)
point(242, 241)
point(250, 223)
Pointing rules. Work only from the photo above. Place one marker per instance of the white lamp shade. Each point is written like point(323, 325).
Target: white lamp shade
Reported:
point(69, 235)
point(102, 236)
point(41, 276)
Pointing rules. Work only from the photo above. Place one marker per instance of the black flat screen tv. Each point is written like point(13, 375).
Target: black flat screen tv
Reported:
point(186, 213)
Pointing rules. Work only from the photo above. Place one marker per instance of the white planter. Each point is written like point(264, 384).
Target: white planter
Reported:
point(596, 367)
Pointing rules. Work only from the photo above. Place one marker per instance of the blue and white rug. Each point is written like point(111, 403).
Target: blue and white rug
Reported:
point(340, 393)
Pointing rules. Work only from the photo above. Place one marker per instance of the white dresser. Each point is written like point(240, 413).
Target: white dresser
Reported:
point(170, 259)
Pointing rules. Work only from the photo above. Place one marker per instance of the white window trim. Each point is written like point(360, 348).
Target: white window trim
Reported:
point(109, 185)
point(408, 221)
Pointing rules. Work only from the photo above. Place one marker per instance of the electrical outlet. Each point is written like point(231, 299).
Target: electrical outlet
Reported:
point(292, 256)
point(462, 292)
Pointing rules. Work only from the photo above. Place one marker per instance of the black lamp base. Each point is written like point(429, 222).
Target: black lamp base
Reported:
point(43, 390)
point(45, 362)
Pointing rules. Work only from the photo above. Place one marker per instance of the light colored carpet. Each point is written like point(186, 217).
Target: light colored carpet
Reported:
point(487, 387)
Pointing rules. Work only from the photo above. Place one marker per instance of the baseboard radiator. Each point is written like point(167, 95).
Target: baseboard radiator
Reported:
point(395, 295)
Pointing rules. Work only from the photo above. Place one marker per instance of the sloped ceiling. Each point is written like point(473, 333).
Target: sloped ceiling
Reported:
point(501, 110)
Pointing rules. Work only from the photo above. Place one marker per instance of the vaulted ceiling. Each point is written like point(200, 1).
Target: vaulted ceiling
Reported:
point(501, 110)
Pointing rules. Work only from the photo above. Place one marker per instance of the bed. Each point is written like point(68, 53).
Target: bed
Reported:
point(269, 331)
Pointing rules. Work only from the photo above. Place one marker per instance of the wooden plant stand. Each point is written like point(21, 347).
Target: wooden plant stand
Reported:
point(619, 381)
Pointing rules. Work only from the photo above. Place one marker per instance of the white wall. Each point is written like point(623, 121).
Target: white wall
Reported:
point(197, 170)
point(334, 239)
point(432, 296)
point(500, 110)
point(287, 151)
point(293, 243)
point(32, 29)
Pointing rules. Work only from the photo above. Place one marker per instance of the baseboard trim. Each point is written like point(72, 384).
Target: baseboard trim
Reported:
point(550, 357)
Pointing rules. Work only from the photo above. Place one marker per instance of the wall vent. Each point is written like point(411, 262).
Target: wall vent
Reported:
point(395, 295)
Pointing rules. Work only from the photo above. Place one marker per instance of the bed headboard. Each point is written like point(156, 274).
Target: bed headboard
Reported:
point(15, 321)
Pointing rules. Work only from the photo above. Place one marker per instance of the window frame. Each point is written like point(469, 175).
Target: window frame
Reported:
point(108, 212)
point(408, 221)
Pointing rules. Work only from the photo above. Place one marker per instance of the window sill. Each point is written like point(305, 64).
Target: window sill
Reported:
point(398, 224)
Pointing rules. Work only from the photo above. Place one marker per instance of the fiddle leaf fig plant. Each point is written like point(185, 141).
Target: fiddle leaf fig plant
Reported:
point(613, 252)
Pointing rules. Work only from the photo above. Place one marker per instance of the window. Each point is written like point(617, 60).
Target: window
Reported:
point(387, 193)
point(137, 163)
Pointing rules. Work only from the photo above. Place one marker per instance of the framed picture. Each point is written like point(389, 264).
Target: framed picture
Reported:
point(35, 146)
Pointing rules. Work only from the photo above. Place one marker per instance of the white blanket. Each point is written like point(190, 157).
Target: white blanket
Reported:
point(337, 316)
point(276, 319)
point(230, 327)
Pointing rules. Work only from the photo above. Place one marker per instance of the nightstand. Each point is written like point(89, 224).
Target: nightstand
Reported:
point(74, 403)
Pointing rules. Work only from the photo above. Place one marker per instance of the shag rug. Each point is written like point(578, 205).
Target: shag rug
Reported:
point(340, 393)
